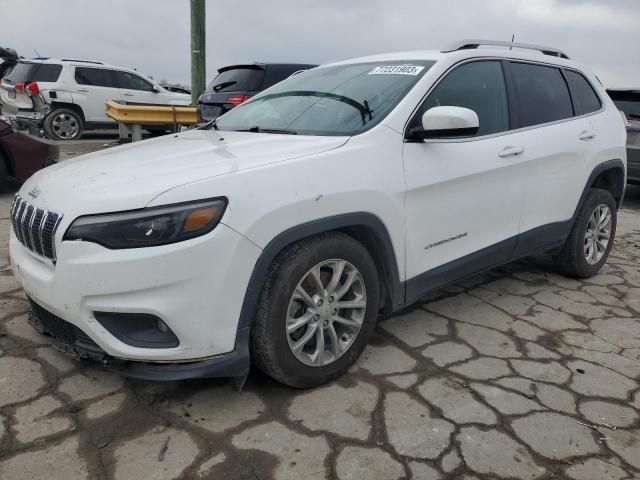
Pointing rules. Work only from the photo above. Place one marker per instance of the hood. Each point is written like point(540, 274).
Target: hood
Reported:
point(130, 176)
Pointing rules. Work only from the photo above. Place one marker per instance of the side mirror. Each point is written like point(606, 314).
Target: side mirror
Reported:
point(447, 122)
point(155, 89)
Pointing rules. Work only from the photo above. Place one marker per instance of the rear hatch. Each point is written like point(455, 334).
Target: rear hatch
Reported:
point(232, 86)
point(25, 80)
point(8, 59)
point(628, 101)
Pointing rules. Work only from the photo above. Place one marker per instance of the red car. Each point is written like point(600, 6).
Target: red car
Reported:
point(21, 155)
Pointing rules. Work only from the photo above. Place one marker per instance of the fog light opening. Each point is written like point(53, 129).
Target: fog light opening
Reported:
point(163, 327)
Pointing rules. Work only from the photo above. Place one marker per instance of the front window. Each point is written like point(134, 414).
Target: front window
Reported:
point(339, 100)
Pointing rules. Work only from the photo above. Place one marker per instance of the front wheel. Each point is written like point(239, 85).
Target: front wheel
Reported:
point(317, 310)
point(587, 248)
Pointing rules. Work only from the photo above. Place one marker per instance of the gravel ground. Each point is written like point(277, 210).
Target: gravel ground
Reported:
point(516, 373)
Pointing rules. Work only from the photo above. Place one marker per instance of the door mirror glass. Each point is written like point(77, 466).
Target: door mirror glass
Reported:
point(448, 122)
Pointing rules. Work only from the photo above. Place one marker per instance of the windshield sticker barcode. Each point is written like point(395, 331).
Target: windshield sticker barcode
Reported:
point(397, 70)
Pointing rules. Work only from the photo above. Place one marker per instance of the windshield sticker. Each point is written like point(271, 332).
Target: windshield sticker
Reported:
point(397, 70)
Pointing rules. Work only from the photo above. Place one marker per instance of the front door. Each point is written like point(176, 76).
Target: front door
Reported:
point(464, 196)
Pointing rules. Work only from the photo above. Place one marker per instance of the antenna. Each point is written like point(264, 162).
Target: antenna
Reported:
point(513, 39)
point(37, 54)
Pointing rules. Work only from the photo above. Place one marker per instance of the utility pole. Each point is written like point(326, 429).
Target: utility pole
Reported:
point(198, 57)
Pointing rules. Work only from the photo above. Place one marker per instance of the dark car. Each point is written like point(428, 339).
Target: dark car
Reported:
point(628, 102)
point(235, 84)
point(21, 155)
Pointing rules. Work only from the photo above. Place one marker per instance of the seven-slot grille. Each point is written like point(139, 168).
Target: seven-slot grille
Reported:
point(34, 227)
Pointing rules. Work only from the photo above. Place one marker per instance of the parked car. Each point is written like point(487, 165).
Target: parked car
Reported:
point(236, 84)
point(66, 97)
point(21, 155)
point(278, 233)
point(628, 102)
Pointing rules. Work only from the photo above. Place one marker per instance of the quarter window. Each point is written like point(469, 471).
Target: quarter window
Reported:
point(541, 94)
point(478, 86)
point(585, 98)
point(96, 77)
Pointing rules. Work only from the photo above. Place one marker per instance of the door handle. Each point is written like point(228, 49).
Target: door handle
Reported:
point(511, 152)
point(128, 95)
point(83, 90)
point(587, 135)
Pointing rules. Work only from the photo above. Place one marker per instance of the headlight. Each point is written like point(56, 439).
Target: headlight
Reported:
point(149, 227)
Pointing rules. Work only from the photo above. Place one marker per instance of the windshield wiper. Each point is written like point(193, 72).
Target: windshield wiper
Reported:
point(208, 126)
point(257, 129)
point(222, 85)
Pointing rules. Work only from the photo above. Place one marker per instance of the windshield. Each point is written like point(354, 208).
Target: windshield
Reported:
point(340, 100)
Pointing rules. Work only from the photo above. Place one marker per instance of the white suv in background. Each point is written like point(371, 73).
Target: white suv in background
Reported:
point(66, 97)
point(277, 234)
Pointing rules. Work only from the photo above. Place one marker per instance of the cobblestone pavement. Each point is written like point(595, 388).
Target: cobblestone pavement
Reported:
point(517, 373)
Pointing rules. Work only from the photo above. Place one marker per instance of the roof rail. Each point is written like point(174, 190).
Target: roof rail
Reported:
point(472, 44)
point(80, 61)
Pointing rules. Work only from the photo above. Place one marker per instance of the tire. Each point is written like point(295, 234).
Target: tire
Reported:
point(63, 124)
point(572, 260)
point(272, 346)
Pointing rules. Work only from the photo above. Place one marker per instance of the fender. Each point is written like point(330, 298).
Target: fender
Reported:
point(389, 265)
point(615, 164)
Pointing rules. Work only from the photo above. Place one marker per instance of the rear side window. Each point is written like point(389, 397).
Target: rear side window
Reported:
point(478, 86)
point(34, 72)
point(541, 94)
point(95, 77)
point(584, 96)
point(237, 80)
point(131, 81)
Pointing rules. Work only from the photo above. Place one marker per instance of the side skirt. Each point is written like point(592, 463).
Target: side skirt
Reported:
point(538, 240)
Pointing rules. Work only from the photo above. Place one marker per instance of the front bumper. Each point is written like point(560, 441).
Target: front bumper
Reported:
point(71, 340)
point(196, 287)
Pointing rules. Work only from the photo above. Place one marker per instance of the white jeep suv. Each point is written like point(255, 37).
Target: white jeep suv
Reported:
point(278, 234)
point(65, 96)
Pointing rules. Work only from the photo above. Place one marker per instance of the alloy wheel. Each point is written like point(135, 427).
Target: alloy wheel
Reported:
point(65, 126)
point(326, 312)
point(597, 234)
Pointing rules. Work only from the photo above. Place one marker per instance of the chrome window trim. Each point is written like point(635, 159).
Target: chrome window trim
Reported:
point(506, 132)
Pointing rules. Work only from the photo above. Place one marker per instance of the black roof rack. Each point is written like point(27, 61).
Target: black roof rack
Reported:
point(472, 44)
point(80, 61)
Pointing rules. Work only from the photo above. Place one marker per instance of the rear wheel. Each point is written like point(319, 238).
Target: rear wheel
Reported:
point(317, 311)
point(63, 124)
point(589, 243)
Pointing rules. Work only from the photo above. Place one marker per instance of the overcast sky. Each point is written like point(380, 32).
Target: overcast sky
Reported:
point(153, 35)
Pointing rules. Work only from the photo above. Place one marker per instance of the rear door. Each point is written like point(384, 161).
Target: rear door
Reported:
point(557, 150)
point(94, 87)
